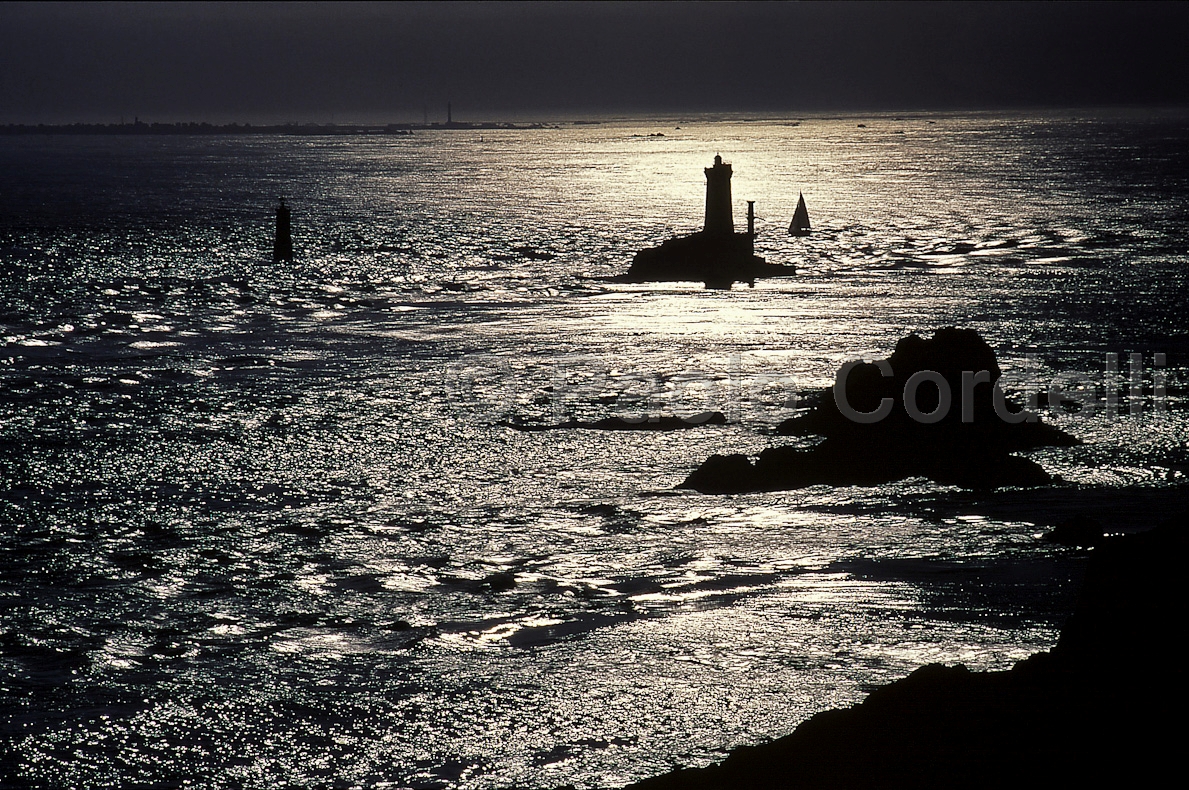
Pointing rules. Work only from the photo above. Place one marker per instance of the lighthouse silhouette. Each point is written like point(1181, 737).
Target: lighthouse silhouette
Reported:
point(716, 254)
point(719, 219)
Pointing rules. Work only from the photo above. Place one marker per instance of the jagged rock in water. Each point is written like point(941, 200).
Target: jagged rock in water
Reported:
point(957, 429)
point(662, 423)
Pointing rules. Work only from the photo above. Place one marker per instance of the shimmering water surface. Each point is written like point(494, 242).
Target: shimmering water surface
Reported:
point(261, 525)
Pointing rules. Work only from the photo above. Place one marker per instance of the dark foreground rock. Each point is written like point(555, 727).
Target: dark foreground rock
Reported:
point(969, 443)
point(664, 423)
point(1081, 530)
point(1103, 709)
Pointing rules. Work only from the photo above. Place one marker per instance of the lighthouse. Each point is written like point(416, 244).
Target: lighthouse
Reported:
point(719, 220)
point(716, 255)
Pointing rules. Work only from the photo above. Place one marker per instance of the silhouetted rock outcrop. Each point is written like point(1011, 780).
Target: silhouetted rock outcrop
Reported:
point(958, 428)
point(716, 260)
point(665, 423)
point(1100, 710)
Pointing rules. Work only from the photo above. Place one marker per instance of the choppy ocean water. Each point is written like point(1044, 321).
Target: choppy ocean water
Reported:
point(260, 524)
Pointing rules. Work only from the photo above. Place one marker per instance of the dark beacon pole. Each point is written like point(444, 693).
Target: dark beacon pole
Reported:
point(751, 229)
point(282, 246)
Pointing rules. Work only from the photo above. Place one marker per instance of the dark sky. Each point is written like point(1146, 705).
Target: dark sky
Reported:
point(62, 62)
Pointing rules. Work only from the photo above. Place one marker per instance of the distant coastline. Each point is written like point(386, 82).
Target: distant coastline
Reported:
point(298, 129)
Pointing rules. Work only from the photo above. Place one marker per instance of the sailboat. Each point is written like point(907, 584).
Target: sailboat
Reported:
point(800, 224)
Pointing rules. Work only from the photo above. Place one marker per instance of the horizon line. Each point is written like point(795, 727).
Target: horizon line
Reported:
point(526, 118)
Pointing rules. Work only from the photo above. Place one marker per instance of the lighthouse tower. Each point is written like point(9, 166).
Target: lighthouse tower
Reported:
point(719, 220)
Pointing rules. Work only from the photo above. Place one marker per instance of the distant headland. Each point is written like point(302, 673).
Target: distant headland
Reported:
point(138, 127)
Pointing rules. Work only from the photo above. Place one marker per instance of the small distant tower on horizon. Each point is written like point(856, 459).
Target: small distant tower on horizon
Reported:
point(449, 114)
point(719, 219)
point(282, 246)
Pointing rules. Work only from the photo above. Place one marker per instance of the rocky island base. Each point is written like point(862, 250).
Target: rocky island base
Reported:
point(717, 260)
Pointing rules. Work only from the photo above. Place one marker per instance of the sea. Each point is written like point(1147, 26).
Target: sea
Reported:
point(270, 524)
